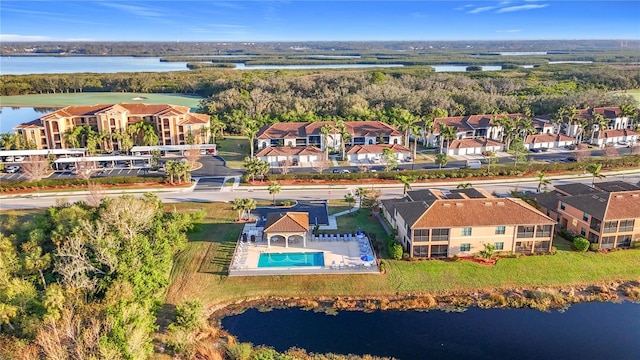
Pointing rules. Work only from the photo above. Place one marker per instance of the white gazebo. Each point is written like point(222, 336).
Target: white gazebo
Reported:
point(288, 226)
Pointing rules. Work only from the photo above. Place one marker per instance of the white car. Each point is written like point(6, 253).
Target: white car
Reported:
point(9, 159)
point(19, 158)
point(13, 169)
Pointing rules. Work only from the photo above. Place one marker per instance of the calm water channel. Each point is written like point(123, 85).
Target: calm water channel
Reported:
point(584, 331)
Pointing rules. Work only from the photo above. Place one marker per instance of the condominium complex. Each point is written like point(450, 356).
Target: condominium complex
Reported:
point(173, 124)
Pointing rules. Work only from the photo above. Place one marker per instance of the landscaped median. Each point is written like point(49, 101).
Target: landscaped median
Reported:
point(118, 184)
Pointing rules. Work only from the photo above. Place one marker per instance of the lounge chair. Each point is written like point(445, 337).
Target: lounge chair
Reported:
point(333, 264)
point(341, 265)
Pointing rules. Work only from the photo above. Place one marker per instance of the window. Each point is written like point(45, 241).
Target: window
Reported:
point(524, 246)
point(499, 245)
point(439, 234)
point(525, 231)
point(563, 206)
point(610, 227)
point(585, 217)
point(608, 240)
point(466, 231)
point(420, 251)
point(543, 230)
point(421, 235)
point(465, 247)
point(541, 246)
point(593, 238)
point(624, 241)
point(500, 230)
point(583, 231)
point(438, 251)
point(626, 225)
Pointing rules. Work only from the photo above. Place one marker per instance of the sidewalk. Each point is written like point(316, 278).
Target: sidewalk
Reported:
point(333, 223)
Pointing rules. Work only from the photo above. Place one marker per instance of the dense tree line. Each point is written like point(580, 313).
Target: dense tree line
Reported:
point(81, 282)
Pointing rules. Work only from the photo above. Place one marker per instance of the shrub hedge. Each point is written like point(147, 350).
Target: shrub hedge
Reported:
point(419, 175)
point(6, 186)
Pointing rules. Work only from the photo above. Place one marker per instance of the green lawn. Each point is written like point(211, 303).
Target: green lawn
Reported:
point(635, 93)
point(200, 269)
point(233, 149)
point(91, 98)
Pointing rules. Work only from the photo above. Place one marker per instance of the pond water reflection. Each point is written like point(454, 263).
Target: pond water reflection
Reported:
point(588, 330)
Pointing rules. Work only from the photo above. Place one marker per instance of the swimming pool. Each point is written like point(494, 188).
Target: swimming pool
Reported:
point(291, 259)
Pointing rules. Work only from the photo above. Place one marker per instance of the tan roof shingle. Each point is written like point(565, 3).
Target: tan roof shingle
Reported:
point(287, 222)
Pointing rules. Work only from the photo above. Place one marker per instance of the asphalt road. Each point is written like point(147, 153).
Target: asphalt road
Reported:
point(318, 193)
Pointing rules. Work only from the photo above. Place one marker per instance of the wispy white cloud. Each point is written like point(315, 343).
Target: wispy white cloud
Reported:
point(463, 7)
point(522, 8)
point(134, 9)
point(18, 37)
point(502, 7)
point(509, 31)
point(481, 9)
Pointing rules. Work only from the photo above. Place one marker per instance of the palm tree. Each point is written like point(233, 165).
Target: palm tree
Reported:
point(509, 130)
point(602, 124)
point(542, 181)
point(441, 160)
point(403, 119)
point(582, 125)
point(429, 122)
point(524, 127)
point(594, 169)
point(248, 205)
point(274, 189)
point(238, 205)
point(448, 134)
point(350, 201)
point(325, 130)
point(415, 130)
point(464, 186)
point(344, 136)
point(250, 128)
point(406, 182)
point(216, 126)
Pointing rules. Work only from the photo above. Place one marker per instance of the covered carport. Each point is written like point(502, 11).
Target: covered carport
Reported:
point(209, 148)
point(94, 160)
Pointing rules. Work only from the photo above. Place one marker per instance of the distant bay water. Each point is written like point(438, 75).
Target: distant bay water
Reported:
point(21, 65)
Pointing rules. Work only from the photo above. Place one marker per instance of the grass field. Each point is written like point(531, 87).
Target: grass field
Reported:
point(635, 93)
point(233, 149)
point(92, 98)
point(200, 270)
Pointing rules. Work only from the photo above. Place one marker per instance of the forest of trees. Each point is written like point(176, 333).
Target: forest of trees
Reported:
point(84, 282)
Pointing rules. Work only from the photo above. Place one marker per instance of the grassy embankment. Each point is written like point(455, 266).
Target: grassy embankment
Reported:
point(92, 98)
point(200, 270)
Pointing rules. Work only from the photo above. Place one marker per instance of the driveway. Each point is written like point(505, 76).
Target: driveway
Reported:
point(317, 210)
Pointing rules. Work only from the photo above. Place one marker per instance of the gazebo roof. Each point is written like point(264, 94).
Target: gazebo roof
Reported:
point(287, 222)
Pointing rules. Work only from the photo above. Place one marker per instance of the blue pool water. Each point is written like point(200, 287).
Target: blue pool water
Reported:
point(291, 259)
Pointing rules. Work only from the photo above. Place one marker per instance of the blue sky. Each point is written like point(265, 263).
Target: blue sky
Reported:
point(300, 20)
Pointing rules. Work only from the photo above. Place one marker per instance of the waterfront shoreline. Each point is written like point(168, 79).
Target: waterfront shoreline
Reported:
point(537, 298)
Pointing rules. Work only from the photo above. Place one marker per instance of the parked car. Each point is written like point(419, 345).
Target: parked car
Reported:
point(624, 144)
point(19, 158)
point(570, 147)
point(345, 171)
point(571, 159)
point(9, 159)
point(12, 169)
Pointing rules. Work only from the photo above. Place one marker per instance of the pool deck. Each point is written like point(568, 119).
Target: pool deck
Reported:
point(340, 257)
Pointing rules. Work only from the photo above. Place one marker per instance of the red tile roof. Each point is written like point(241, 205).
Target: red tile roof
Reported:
point(623, 205)
point(376, 149)
point(480, 212)
point(287, 222)
point(473, 143)
point(546, 138)
point(288, 151)
point(615, 133)
point(304, 129)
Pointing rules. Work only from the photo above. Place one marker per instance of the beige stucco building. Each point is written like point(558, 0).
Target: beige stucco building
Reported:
point(173, 124)
point(433, 224)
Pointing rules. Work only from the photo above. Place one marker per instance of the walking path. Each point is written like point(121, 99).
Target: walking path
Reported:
point(236, 184)
point(333, 223)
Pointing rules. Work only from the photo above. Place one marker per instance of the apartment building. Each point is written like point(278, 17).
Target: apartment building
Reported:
point(607, 214)
point(434, 224)
point(173, 124)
